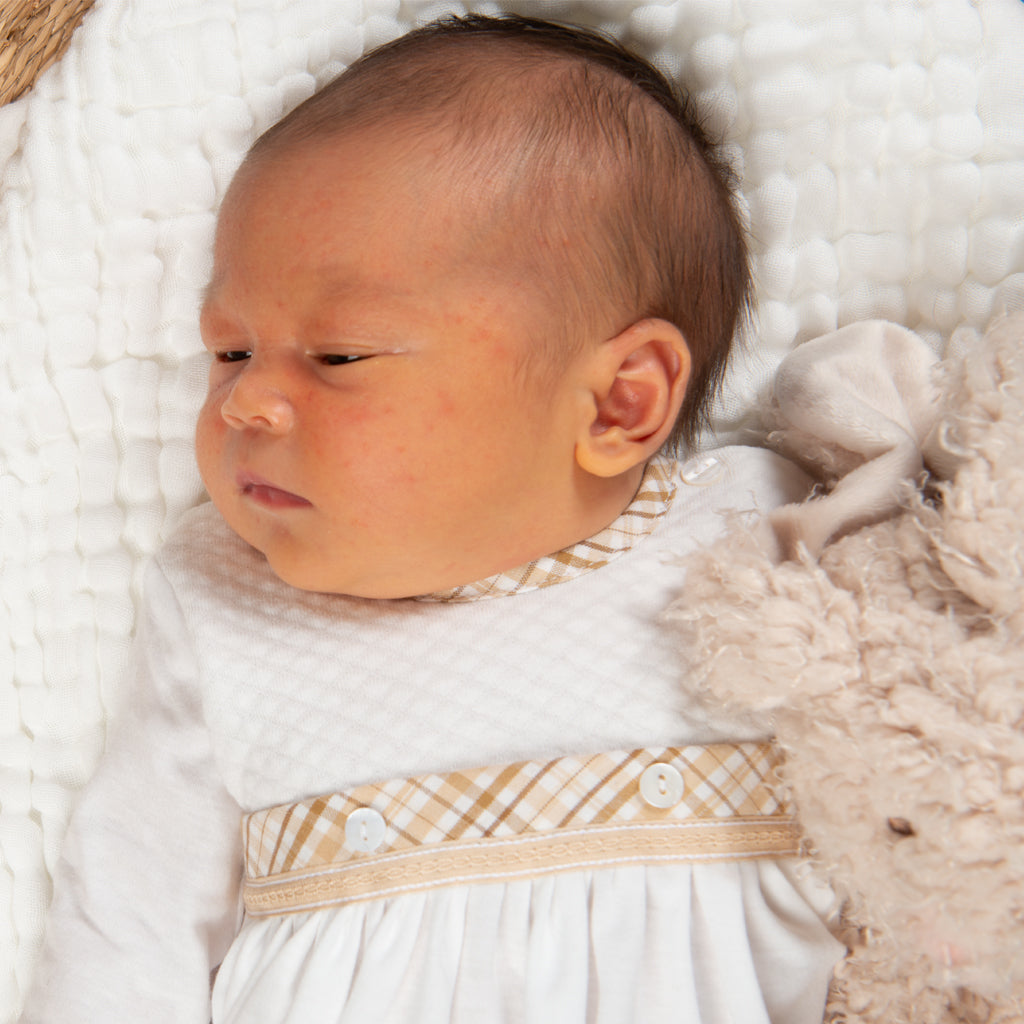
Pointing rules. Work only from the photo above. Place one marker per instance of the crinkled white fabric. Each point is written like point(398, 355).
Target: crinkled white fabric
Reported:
point(881, 144)
point(714, 944)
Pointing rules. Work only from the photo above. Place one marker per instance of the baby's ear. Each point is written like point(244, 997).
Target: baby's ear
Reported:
point(638, 380)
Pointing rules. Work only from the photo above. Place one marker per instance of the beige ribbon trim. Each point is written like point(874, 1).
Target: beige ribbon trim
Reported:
point(494, 860)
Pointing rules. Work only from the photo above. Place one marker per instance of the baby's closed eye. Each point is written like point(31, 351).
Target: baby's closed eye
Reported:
point(328, 359)
point(340, 359)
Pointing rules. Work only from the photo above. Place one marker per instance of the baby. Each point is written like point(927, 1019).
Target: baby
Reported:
point(463, 299)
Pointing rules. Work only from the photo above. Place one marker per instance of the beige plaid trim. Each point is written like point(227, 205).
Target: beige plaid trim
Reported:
point(650, 503)
point(518, 820)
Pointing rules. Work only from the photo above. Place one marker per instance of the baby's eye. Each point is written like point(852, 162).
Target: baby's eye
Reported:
point(336, 359)
point(233, 355)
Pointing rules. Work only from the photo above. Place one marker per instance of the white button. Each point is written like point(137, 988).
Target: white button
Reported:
point(701, 471)
point(364, 830)
point(661, 785)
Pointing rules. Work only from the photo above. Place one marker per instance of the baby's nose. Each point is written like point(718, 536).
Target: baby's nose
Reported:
point(257, 401)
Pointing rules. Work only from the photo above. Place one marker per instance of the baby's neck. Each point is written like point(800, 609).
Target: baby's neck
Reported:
point(590, 505)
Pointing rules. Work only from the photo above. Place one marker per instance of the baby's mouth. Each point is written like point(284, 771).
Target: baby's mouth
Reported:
point(264, 493)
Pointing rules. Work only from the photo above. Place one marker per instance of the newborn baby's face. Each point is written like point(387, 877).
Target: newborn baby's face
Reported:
point(366, 427)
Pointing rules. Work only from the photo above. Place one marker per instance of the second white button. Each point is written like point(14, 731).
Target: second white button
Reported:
point(364, 830)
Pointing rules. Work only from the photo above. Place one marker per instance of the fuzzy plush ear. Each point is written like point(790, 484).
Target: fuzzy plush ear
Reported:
point(637, 383)
point(865, 397)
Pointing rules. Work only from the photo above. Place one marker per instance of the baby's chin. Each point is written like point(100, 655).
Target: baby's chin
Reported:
point(370, 571)
point(319, 578)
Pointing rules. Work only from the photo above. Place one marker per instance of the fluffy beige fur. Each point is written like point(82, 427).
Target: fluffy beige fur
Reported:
point(893, 668)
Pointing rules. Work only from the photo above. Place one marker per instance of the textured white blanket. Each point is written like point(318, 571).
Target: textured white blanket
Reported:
point(882, 151)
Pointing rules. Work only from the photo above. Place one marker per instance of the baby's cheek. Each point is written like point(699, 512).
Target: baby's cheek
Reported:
point(210, 428)
point(205, 422)
point(352, 434)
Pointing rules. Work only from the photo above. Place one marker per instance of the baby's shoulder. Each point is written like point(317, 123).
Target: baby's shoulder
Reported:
point(738, 478)
point(692, 501)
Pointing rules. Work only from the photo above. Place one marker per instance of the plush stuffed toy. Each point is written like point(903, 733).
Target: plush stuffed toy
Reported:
point(891, 660)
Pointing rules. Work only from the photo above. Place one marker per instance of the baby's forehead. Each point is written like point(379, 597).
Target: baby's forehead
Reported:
point(475, 184)
point(359, 196)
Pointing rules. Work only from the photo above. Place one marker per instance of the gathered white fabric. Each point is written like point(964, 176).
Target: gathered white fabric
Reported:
point(881, 147)
point(250, 693)
point(704, 943)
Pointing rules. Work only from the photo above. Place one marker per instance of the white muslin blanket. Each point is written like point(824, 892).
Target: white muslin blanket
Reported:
point(881, 147)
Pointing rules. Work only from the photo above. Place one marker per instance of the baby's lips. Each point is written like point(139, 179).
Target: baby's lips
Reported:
point(267, 493)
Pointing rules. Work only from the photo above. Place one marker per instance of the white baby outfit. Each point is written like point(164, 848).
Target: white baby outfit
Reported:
point(251, 694)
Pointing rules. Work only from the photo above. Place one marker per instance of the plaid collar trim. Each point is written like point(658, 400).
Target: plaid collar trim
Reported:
point(651, 502)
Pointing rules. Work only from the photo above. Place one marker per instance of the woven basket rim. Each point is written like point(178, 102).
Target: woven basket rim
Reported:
point(33, 35)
